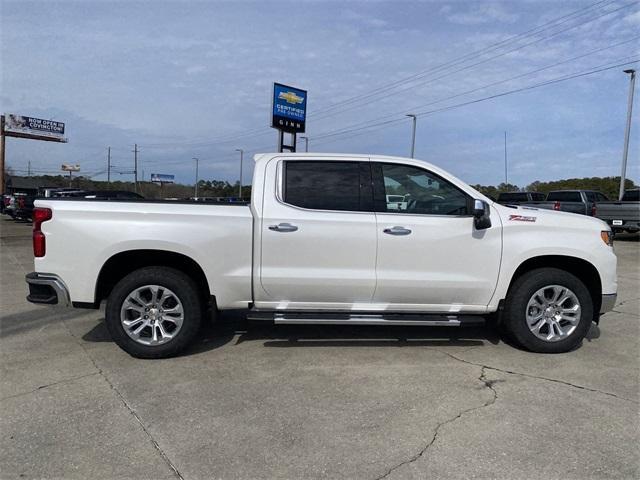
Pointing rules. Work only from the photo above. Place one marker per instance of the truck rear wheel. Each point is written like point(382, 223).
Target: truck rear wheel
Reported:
point(154, 312)
point(548, 310)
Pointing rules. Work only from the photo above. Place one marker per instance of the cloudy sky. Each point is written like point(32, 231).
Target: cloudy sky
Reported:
point(194, 79)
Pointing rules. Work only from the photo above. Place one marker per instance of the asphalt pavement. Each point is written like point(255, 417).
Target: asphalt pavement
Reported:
point(254, 401)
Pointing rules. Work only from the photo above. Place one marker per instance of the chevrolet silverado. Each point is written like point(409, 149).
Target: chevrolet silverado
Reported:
point(326, 239)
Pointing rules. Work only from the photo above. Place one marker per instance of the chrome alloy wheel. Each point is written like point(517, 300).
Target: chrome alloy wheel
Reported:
point(553, 313)
point(152, 315)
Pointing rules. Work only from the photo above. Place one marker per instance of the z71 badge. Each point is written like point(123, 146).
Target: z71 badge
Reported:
point(521, 218)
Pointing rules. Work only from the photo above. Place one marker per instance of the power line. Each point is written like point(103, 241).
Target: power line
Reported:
point(492, 84)
point(467, 67)
point(536, 30)
point(530, 32)
point(490, 97)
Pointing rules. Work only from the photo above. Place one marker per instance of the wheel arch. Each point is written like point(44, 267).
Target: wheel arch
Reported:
point(579, 267)
point(123, 263)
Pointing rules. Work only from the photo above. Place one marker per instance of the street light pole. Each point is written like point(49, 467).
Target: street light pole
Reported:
point(627, 132)
point(196, 188)
point(306, 143)
point(240, 186)
point(413, 135)
point(506, 171)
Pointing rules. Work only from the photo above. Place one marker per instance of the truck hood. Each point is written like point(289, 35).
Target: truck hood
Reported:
point(523, 215)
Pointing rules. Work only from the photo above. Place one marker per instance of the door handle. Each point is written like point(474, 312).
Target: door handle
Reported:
point(283, 227)
point(397, 231)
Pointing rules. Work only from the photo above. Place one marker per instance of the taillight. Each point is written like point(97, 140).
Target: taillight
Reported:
point(556, 206)
point(21, 202)
point(39, 241)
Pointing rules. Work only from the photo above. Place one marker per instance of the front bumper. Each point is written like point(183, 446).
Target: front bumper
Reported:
point(48, 289)
point(608, 302)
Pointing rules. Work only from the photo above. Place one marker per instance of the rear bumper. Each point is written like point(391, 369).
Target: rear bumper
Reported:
point(48, 289)
point(608, 302)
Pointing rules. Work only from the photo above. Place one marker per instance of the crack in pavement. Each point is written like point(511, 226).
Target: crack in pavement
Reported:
point(562, 382)
point(153, 441)
point(488, 384)
point(42, 387)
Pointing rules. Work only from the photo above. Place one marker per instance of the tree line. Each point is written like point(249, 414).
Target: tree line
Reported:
point(206, 188)
point(607, 185)
point(222, 188)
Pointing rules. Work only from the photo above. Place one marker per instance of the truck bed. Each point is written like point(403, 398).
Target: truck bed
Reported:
point(87, 233)
point(620, 215)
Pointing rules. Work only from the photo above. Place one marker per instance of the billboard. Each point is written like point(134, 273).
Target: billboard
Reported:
point(70, 168)
point(162, 178)
point(30, 127)
point(289, 110)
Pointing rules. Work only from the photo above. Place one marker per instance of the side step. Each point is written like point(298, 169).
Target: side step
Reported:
point(338, 318)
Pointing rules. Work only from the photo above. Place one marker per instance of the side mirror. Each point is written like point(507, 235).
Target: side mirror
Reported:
point(481, 213)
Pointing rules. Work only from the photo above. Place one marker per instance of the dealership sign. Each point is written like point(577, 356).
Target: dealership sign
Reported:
point(30, 127)
point(162, 178)
point(289, 108)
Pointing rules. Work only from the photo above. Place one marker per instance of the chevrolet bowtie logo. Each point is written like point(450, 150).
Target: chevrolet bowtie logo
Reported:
point(290, 97)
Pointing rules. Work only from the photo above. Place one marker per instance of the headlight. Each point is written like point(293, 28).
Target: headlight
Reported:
point(607, 237)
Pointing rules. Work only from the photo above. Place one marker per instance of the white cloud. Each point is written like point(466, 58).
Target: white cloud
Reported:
point(482, 13)
point(195, 69)
point(633, 19)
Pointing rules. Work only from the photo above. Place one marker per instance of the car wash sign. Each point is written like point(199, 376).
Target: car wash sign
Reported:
point(31, 127)
point(289, 111)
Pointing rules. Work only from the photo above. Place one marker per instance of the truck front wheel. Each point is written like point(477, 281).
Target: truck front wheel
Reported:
point(154, 312)
point(548, 310)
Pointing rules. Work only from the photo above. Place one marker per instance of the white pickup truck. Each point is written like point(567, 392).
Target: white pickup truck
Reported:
point(327, 239)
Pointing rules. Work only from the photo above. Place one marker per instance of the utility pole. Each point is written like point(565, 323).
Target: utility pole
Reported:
point(413, 135)
point(627, 131)
point(108, 164)
point(2, 137)
point(506, 176)
point(29, 168)
point(240, 186)
point(196, 192)
point(306, 143)
point(135, 167)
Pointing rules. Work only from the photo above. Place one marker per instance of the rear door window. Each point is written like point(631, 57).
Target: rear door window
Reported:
point(319, 185)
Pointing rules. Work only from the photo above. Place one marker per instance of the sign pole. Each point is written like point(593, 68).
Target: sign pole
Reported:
point(2, 148)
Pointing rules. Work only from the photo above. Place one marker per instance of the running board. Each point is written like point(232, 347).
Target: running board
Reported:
point(335, 318)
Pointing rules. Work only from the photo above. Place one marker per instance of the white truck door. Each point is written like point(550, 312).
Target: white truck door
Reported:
point(318, 235)
point(430, 256)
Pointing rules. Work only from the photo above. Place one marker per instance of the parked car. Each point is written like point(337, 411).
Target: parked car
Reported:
point(23, 208)
point(66, 193)
point(624, 215)
point(4, 201)
point(583, 202)
point(12, 203)
point(517, 198)
point(320, 243)
point(110, 195)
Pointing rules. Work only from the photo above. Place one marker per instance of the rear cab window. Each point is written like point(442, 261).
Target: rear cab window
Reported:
point(564, 197)
point(513, 197)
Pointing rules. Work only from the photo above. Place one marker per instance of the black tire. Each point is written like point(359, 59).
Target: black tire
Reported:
point(180, 284)
point(514, 320)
